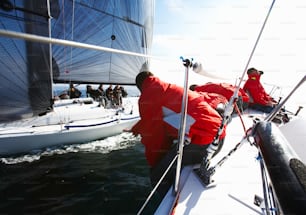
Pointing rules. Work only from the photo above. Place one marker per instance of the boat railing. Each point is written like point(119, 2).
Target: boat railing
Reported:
point(157, 185)
point(283, 173)
point(269, 200)
point(280, 105)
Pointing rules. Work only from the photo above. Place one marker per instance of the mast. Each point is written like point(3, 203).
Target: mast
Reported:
point(187, 63)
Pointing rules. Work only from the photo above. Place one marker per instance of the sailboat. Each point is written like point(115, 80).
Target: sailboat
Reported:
point(261, 168)
point(43, 43)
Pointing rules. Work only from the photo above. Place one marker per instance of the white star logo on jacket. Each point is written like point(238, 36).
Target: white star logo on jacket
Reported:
point(174, 119)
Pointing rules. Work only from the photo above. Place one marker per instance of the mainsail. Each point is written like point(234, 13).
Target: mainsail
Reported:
point(124, 25)
point(26, 78)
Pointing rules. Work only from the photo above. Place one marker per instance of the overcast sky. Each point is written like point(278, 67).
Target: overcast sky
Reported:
point(221, 34)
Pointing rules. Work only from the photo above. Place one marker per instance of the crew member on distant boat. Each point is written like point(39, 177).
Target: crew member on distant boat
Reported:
point(160, 106)
point(101, 90)
point(117, 95)
point(102, 99)
point(110, 94)
point(90, 92)
point(259, 99)
point(73, 92)
point(124, 92)
point(225, 89)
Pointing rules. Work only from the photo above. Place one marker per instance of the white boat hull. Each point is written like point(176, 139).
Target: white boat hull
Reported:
point(84, 123)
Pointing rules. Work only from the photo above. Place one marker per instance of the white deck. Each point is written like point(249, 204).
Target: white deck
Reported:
point(236, 182)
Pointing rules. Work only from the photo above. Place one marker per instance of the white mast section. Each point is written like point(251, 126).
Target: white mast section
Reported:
point(42, 39)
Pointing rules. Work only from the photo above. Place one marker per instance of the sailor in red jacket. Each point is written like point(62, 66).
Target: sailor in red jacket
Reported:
point(215, 100)
point(160, 106)
point(225, 89)
point(259, 99)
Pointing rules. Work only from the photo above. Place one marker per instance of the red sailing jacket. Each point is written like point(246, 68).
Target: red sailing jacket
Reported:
point(160, 107)
point(213, 99)
point(225, 89)
point(256, 91)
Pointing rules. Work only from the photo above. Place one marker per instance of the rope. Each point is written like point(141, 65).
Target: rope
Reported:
point(156, 186)
point(240, 117)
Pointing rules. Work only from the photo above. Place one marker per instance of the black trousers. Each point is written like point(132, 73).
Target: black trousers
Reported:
point(192, 154)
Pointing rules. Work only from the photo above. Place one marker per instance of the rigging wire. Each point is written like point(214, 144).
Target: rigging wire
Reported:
point(270, 207)
point(67, 68)
point(72, 36)
point(233, 99)
point(113, 38)
point(230, 106)
point(50, 45)
point(256, 43)
point(156, 186)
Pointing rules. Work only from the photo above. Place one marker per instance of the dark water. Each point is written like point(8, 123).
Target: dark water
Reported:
point(105, 177)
